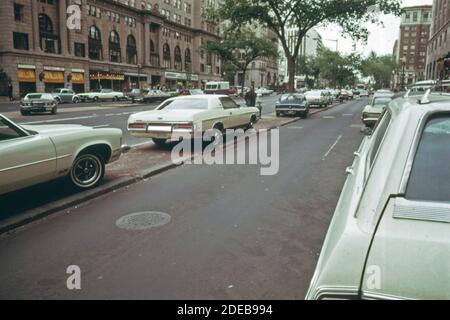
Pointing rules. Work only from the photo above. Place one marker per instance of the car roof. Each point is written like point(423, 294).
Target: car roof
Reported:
point(202, 96)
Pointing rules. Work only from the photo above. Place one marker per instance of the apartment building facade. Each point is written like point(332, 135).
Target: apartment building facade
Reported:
point(411, 48)
point(119, 44)
point(438, 55)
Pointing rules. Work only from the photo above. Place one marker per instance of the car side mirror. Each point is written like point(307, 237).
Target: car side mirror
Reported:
point(368, 131)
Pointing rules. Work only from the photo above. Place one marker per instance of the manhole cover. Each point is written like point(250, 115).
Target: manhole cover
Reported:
point(143, 220)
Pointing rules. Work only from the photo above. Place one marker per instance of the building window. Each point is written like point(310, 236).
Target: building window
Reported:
point(131, 50)
point(20, 41)
point(202, 67)
point(114, 47)
point(80, 50)
point(49, 40)
point(95, 44)
point(187, 59)
point(93, 11)
point(177, 58)
point(18, 12)
point(414, 16)
point(166, 56)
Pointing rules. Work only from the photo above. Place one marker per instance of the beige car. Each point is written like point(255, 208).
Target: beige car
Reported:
point(32, 154)
point(185, 115)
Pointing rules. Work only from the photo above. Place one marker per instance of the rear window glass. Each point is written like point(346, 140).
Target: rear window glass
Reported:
point(430, 173)
point(285, 98)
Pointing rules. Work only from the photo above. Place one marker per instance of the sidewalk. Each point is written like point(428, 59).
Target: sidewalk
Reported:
point(139, 164)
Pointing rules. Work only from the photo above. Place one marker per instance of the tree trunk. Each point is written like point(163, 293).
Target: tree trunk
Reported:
point(291, 73)
point(243, 82)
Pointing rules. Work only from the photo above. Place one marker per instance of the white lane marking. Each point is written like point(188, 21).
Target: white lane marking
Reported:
point(295, 127)
point(329, 117)
point(331, 148)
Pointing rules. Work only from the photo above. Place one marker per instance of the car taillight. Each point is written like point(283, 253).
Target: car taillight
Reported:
point(136, 126)
point(183, 126)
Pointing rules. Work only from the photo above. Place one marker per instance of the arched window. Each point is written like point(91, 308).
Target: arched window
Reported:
point(95, 43)
point(114, 47)
point(131, 50)
point(187, 60)
point(166, 56)
point(177, 58)
point(49, 41)
point(152, 46)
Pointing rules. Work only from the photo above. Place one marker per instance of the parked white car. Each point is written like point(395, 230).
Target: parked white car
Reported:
point(388, 238)
point(372, 112)
point(32, 154)
point(261, 92)
point(186, 115)
point(317, 98)
point(101, 95)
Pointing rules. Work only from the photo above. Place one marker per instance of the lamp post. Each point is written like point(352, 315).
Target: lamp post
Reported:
point(139, 75)
point(403, 60)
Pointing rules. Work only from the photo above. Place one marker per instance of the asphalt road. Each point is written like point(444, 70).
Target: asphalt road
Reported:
point(233, 234)
point(106, 114)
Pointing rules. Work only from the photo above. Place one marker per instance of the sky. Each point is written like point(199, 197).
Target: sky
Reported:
point(381, 39)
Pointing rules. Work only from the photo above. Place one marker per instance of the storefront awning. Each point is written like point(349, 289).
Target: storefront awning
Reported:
point(53, 77)
point(78, 78)
point(26, 75)
point(106, 76)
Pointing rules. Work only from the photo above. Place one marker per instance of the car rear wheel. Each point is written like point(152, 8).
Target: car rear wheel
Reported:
point(95, 99)
point(87, 171)
point(159, 142)
point(55, 110)
point(251, 123)
point(76, 100)
point(278, 113)
point(24, 113)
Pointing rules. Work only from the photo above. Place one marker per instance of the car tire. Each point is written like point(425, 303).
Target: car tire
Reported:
point(95, 99)
point(55, 110)
point(76, 100)
point(278, 114)
point(87, 171)
point(58, 100)
point(305, 114)
point(159, 142)
point(251, 123)
point(24, 113)
point(116, 99)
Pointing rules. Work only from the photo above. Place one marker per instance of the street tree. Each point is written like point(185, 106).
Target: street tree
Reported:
point(240, 47)
point(380, 68)
point(303, 15)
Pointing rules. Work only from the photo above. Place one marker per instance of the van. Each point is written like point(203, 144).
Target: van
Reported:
point(217, 87)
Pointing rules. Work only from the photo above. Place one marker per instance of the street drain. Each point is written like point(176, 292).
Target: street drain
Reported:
point(143, 220)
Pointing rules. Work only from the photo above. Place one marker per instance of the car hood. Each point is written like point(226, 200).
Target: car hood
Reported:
point(165, 115)
point(53, 129)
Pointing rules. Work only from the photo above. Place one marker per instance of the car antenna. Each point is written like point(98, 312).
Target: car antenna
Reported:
point(424, 99)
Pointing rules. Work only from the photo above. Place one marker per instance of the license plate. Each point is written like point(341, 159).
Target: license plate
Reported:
point(159, 128)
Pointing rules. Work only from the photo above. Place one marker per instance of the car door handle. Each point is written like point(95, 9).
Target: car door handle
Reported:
point(349, 171)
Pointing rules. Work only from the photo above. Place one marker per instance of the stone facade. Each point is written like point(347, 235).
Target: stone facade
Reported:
point(120, 44)
point(438, 55)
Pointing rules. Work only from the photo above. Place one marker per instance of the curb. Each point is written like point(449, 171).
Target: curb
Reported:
point(12, 224)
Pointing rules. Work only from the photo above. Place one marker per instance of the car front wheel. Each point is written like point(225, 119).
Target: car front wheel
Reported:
point(24, 113)
point(55, 109)
point(87, 171)
point(159, 142)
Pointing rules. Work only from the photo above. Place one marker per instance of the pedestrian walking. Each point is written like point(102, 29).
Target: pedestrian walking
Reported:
point(10, 92)
point(250, 97)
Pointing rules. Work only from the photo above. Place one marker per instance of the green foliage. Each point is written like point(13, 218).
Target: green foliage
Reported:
point(380, 68)
point(304, 15)
point(4, 81)
point(240, 47)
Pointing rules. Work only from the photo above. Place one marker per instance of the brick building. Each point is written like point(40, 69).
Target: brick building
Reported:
point(116, 44)
point(411, 48)
point(438, 55)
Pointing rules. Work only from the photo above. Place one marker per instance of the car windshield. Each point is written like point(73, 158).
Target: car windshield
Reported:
point(33, 96)
point(196, 92)
point(430, 174)
point(291, 97)
point(185, 104)
point(380, 102)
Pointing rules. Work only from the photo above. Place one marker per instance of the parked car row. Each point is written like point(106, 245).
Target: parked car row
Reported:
point(372, 112)
point(388, 238)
